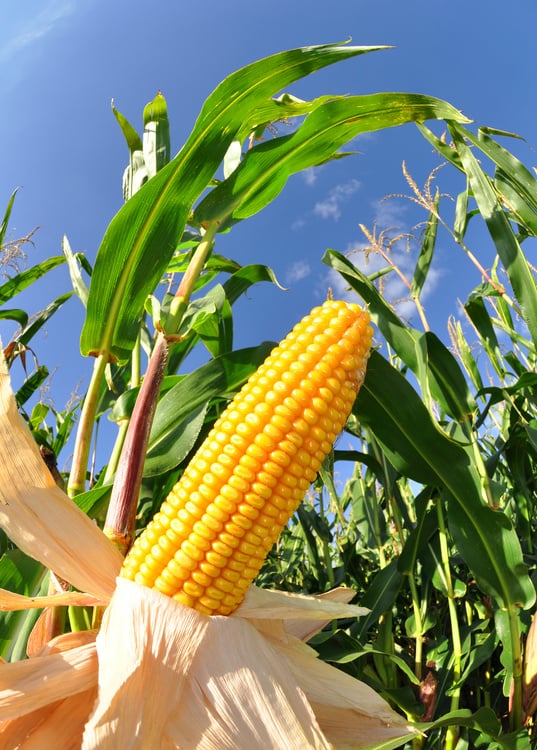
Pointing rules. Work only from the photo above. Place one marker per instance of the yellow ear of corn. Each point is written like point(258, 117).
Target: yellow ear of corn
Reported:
point(210, 538)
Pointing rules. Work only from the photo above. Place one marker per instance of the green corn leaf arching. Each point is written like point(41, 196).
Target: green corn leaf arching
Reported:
point(425, 256)
point(25, 278)
point(143, 235)
point(393, 411)
point(265, 169)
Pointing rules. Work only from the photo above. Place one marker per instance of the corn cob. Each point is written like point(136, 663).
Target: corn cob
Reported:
point(210, 538)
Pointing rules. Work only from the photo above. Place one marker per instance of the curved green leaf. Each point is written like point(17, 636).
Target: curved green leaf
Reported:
point(19, 315)
point(379, 598)
point(175, 445)
point(134, 142)
point(426, 253)
point(500, 229)
point(22, 280)
point(388, 405)
point(265, 169)
point(39, 320)
point(7, 214)
point(143, 235)
point(23, 575)
point(30, 385)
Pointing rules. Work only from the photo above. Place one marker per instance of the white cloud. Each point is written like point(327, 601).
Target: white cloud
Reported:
point(298, 224)
point(389, 213)
point(38, 27)
point(298, 271)
point(310, 176)
point(330, 208)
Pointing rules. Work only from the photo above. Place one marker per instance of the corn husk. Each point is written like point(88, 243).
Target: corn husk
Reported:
point(159, 675)
point(39, 518)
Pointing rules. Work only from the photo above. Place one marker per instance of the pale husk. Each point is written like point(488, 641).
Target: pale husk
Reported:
point(10, 601)
point(58, 726)
point(168, 678)
point(26, 686)
point(349, 712)
point(227, 685)
point(39, 518)
point(224, 685)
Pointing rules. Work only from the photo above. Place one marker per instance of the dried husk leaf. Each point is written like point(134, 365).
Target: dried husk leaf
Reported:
point(26, 686)
point(10, 601)
point(58, 726)
point(303, 615)
point(224, 685)
point(39, 518)
point(349, 712)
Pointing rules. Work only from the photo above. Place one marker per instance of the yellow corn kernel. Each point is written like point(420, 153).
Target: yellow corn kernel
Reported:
point(210, 538)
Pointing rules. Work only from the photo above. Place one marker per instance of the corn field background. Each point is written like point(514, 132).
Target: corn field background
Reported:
point(426, 508)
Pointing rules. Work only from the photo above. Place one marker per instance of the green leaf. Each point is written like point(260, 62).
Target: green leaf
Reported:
point(425, 256)
point(443, 148)
point(134, 142)
point(245, 277)
point(388, 405)
point(379, 597)
point(39, 320)
point(426, 526)
point(520, 178)
point(485, 721)
point(22, 280)
point(94, 501)
point(19, 315)
point(507, 245)
point(30, 385)
point(477, 312)
point(266, 168)
point(392, 744)
point(79, 285)
point(5, 219)
point(447, 381)
point(142, 237)
point(23, 575)
point(176, 444)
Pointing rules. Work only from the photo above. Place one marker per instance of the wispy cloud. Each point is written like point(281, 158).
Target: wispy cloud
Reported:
point(330, 207)
point(392, 286)
point(37, 27)
point(298, 224)
point(298, 271)
point(309, 176)
point(390, 213)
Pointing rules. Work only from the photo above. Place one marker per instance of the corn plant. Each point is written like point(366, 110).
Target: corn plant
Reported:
point(433, 529)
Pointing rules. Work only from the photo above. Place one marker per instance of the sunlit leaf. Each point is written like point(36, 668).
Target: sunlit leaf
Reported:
point(265, 169)
point(393, 411)
point(507, 245)
point(142, 237)
point(24, 279)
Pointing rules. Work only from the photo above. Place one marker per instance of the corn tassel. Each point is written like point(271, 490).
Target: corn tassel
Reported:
point(211, 536)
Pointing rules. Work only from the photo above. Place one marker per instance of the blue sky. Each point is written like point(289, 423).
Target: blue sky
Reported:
point(63, 61)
